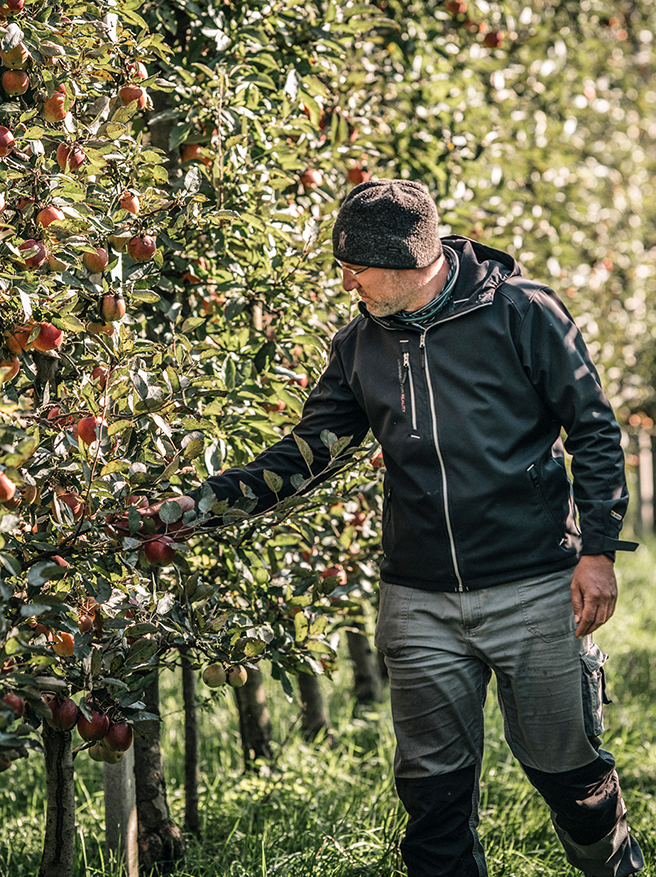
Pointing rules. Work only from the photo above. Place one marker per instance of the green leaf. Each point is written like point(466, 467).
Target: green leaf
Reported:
point(170, 512)
point(305, 449)
point(340, 445)
point(273, 481)
point(118, 426)
point(301, 626)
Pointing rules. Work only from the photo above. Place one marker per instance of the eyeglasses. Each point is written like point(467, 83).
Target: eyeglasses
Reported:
point(353, 271)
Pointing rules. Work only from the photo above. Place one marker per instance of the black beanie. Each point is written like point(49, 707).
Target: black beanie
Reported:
point(387, 224)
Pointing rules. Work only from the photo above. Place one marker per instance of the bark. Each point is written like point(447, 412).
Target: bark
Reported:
point(368, 686)
point(192, 746)
point(59, 840)
point(314, 718)
point(161, 842)
point(254, 721)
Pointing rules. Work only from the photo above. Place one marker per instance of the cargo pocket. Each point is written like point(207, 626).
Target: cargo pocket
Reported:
point(392, 623)
point(594, 689)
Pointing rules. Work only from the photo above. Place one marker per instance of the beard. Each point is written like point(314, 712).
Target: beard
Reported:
point(405, 295)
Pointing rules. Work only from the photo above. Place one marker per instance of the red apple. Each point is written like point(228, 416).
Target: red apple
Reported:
point(129, 202)
point(88, 429)
point(63, 644)
point(96, 262)
point(70, 155)
point(99, 374)
point(15, 81)
point(357, 174)
point(49, 337)
point(7, 141)
point(54, 108)
point(112, 307)
point(129, 93)
point(138, 70)
point(49, 214)
point(335, 572)
point(142, 248)
point(14, 702)
point(119, 737)
point(93, 730)
point(73, 501)
point(10, 7)
point(159, 552)
point(64, 714)
point(7, 488)
point(36, 253)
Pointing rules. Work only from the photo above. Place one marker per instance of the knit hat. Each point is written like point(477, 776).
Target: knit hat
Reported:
point(387, 224)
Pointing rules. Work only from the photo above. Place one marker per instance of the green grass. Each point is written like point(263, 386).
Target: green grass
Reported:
point(331, 811)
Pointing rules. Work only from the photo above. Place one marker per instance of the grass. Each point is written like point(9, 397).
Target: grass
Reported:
point(331, 811)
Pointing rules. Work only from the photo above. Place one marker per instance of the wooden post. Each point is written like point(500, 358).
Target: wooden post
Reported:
point(121, 814)
point(646, 482)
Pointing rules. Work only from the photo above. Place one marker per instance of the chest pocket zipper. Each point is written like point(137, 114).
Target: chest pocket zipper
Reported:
point(413, 405)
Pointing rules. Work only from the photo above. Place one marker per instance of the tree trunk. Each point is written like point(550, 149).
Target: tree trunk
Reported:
point(59, 840)
point(368, 686)
point(254, 722)
point(314, 718)
point(161, 842)
point(192, 746)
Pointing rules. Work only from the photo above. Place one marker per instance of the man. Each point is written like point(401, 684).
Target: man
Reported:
point(466, 372)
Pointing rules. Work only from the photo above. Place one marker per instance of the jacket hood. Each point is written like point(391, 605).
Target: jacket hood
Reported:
point(482, 270)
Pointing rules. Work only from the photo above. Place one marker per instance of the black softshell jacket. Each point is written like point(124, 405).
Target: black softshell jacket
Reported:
point(469, 415)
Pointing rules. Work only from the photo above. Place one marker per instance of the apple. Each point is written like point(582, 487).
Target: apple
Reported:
point(334, 572)
point(129, 202)
point(455, 7)
point(99, 752)
point(49, 337)
point(237, 676)
point(192, 151)
point(15, 58)
point(159, 552)
point(142, 248)
point(23, 202)
point(55, 264)
point(87, 429)
point(112, 307)
point(493, 39)
point(120, 239)
point(14, 702)
point(7, 141)
point(95, 328)
point(13, 366)
point(311, 177)
point(54, 108)
point(49, 214)
point(99, 374)
point(17, 342)
point(96, 262)
point(357, 174)
point(93, 730)
point(12, 6)
point(37, 253)
point(62, 644)
point(64, 714)
point(84, 623)
point(70, 155)
point(214, 675)
point(119, 737)
point(129, 93)
point(73, 501)
point(15, 82)
point(7, 488)
point(138, 70)
point(274, 406)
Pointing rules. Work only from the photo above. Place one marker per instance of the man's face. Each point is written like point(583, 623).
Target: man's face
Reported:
point(386, 290)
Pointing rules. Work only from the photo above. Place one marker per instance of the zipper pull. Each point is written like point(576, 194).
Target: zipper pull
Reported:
point(406, 360)
point(422, 347)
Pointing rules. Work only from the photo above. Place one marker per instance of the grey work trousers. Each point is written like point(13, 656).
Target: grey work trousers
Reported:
point(440, 650)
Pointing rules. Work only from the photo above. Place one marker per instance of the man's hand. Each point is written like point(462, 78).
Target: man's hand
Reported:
point(594, 592)
point(176, 528)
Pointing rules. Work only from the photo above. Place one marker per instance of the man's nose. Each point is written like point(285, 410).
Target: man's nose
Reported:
point(349, 281)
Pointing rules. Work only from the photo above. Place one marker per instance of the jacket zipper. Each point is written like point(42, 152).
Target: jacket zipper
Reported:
point(445, 493)
point(413, 407)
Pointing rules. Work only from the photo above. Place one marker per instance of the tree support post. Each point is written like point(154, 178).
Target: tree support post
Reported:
point(121, 826)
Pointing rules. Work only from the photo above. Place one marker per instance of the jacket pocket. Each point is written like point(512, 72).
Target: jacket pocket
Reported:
point(532, 472)
point(594, 689)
